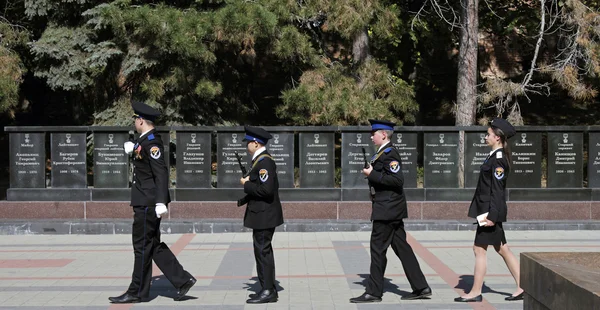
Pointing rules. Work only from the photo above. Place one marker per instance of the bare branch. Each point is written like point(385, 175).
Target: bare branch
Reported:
point(537, 46)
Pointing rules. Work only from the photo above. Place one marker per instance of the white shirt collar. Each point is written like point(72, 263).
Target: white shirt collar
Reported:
point(145, 132)
point(492, 152)
point(260, 150)
point(381, 147)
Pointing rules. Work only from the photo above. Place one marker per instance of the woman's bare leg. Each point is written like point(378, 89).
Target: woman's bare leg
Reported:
point(512, 263)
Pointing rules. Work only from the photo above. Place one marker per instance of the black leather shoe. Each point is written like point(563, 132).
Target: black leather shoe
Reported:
point(512, 298)
point(184, 289)
point(473, 299)
point(365, 298)
point(420, 294)
point(264, 297)
point(125, 299)
point(256, 294)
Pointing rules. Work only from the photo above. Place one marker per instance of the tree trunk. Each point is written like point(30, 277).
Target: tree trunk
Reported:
point(466, 92)
point(360, 47)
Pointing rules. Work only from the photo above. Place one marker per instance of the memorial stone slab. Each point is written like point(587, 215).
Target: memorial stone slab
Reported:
point(111, 164)
point(228, 169)
point(68, 155)
point(352, 158)
point(594, 160)
point(406, 143)
point(165, 136)
point(526, 165)
point(281, 148)
point(317, 167)
point(476, 151)
point(565, 159)
point(193, 159)
point(27, 160)
point(441, 160)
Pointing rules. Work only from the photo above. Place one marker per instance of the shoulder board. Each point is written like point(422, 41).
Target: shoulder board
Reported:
point(260, 159)
point(389, 149)
point(498, 154)
point(151, 136)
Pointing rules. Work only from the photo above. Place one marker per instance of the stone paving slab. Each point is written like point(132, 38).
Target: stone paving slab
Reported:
point(315, 270)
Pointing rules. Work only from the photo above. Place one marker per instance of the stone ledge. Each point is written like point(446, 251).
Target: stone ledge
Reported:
point(560, 280)
point(197, 226)
point(311, 210)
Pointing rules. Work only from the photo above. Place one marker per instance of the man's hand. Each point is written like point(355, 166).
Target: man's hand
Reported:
point(488, 222)
point(367, 171)
point(161, 209)
point(128, 147)
point(244, 180)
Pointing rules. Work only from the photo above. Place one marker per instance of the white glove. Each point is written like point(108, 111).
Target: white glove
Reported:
point(128, 147)
point(161, 209)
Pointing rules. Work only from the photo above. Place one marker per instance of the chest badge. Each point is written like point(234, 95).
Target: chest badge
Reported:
point(138, 152)
point(263, 175)
point(394, 166)
point(155, 152)
point(499, 173)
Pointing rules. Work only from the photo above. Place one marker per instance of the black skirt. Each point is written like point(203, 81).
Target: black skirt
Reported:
point(490, 235)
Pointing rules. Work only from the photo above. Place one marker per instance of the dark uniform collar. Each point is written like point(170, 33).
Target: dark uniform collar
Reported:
point(144, 137)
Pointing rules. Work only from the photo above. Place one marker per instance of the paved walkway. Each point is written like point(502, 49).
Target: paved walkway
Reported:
point(315, 270)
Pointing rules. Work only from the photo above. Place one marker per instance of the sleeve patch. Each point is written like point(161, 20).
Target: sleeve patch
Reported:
point(263, 175)
point(498, 154)
point(155, 152)
point(394, 166)
point(499, 173)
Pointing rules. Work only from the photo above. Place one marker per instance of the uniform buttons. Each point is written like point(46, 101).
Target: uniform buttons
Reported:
point(133, 182)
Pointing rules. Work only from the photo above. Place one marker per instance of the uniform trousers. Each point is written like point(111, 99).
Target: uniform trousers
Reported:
point(383, 234)
point(263, 254)
point(147, 247)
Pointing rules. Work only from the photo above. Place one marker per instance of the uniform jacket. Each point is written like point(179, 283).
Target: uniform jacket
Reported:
point(150, 174)
point(490, 193)
point(262, 193)
point(386, 181)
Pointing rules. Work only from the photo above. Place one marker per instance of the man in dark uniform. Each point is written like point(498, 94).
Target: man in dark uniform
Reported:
point(264, 211)
point(389, 209)
point(149, 199)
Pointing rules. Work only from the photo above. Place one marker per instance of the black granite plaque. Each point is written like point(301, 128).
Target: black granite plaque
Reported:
point(111, 164)
point(593, 160)
point(353, 160)
point(165, 136)
point(441, 160)
point(193, 159)
point(68, 153)
point(228, 169)
point(406, 144)
point(27, 160)
point(317, 166)
point(565, 159)
point(281, 147)
point(526, 161)
point(476, 151)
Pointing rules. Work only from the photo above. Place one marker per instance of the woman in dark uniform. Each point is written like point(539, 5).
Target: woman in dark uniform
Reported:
point(489, 198)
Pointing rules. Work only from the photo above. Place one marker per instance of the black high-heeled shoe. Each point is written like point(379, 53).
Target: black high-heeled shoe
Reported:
point(472, 299)
point(512, 298)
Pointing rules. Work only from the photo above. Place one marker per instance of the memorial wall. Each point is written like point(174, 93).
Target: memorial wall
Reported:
point(319, 158)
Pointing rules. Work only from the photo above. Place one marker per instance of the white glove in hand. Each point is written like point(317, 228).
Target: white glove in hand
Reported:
point(128, 147)
point(161, 209)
